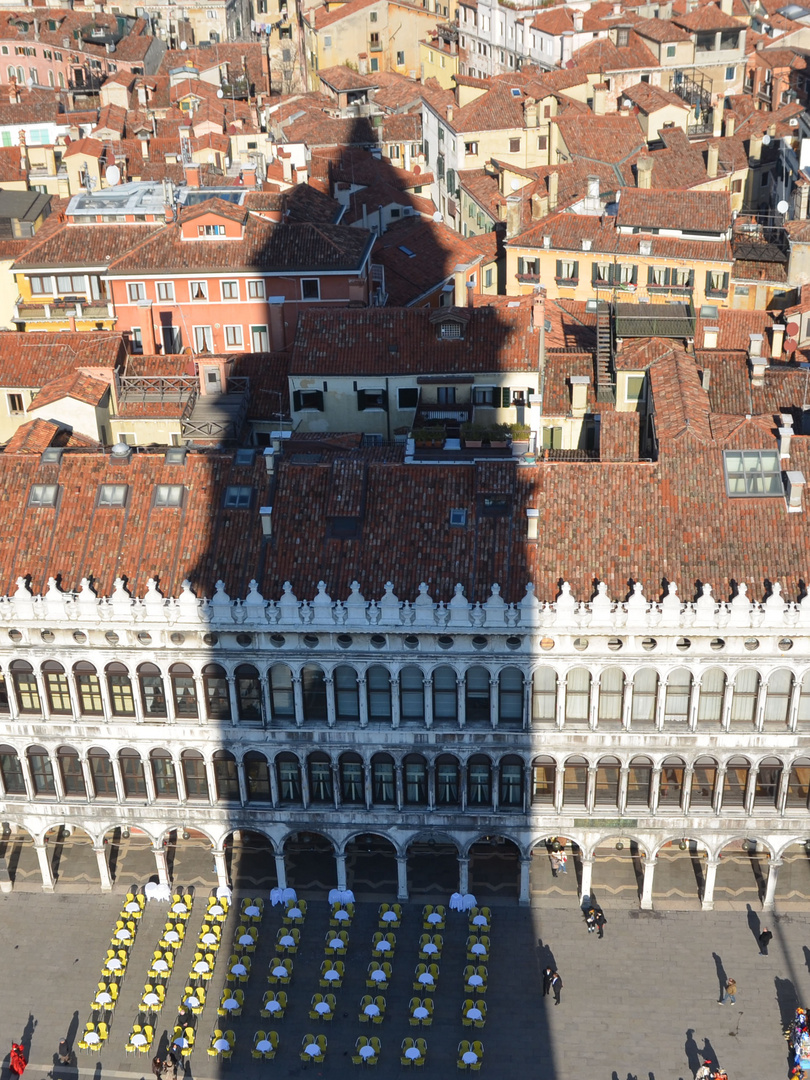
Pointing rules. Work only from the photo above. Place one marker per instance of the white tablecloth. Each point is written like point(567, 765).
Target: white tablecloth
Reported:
point(456, 901)
point(153, 891)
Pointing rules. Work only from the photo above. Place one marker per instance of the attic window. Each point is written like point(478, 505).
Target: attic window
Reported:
point(43, 494)
point(238, 497)
point(407, 251)
point(344, 528)
point(458, 518)
point(495, 506)
point(752, 473)
point(451, 330)
point(112, 494)
point(244, 457)
point(169, 495)
point(175, 455)
point(622, 37)
point(515, 92)
point(51, 456)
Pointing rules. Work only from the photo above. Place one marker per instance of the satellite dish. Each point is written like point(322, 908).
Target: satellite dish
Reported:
point(792, 329)
point(417, 170)
point(437, 217)
point(783, 206)
point(183, 46)
point(515, 184)
point(220, 94)
point(112, 174)
point(766, 140)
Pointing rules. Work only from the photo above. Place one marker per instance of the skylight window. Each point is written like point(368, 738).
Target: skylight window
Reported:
point(407, 251)
point(169, 495)
point(238, 497)
point(112, 494)
point(245, 457)
point(752, 473)
point(43, 494)
point(451, 330)
point(458, 518)
point(515, 92)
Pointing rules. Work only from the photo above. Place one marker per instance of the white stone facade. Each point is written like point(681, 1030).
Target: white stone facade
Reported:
point(596, 720)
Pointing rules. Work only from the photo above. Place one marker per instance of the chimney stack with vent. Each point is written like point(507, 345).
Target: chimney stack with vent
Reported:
point(450, 114)
point(192, 174)
point(539, 206)
point(579, 394)
point(730, 124)
point(459, 283)
point(513, 207)
point(795, 490)
point(553, 181)
point(530, 112)
point(539, 308)
point(578, 17)
point(712, 159)
point(801, 198)
point(777, 340)
point(757, 361)
point(599, 99)
point(755, 149)
point(785, 435)
point(644, 168)
point(710, 336)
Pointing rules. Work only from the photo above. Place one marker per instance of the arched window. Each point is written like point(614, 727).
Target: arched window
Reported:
point(415, 775)
point(607, 782)
point(611, 697)
point(195, 775)
point(217, 698)
point(61, 77)
point(25, 683)
point(704, 780)
point(101, 771)
point(411, 696)
point(577, 697)
point(163, 774)
point(347, 697)
point(89, 689)
point(544, 696)
point(282, 696)
point(119, 684)
point(313, 685)
point(777, 698)
point(744, 698)
point(257, 777)
point(352, 783)
point(249, 694)
point(41, 771)
point(766, 785)
point(803, 713)
point(476, 695)
point(70, 769)
point(710, 701)
point(226, 777)
point(510, 786)
point(11, 771)
point(639, 779)
point(320, 778)
point(132, 774)
point(510, 698)
point(575, 782)
point(798, 790)
point(447, 773)
point(289, 778)
point(153, 695)
point(383, 789)
point(676, 698)
point(184, 690)
point(378, 689)
point(57, 688)
point(645, 691)
point(543, 772)
point(736, 783)
point(670, 787)
point(445, 695)
point(4, 703)
point(479, 781)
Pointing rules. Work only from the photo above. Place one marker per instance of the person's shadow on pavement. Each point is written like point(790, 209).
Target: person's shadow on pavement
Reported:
point(708, 1053)
point(722, 978)
point(753, 923)
point(691, 1050)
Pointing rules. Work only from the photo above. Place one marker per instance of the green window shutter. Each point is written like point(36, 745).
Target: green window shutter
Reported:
point(634, 275)
point(529, 392)
point(521, 265)
point(708, 281)
point(506, 397)
point(725, 282)
point(297, 400)
point(594, 273)
point(576, 271)
point(650, 276)
point(559, 268)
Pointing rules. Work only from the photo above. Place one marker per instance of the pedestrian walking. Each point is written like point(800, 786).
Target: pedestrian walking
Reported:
point(548, 974)
point(17, 1061)
point(764, 940)
point(556, 986)
point(171, 1064)
point(600, 922)
point(554, 859)
point(63, 1052)
point(563, 862)
point(730, 995)
point(590, 920)
point(157, 1066)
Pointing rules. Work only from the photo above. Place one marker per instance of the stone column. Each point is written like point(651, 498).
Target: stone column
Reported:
point(168, 695)
point(493, 703)
point(304, 774)
point(593, 705)
point(273, 774)
point(362, 700)
point(463, 876)
point(103, 868)
point(590, 790)
point(281, 870)
point(298, 698)
point(686, 794)
point(431, 785)
point(559, 777)
point(211, 777)
point(770, 887)
point(781, 798)
point(41, 849)
point(44, 702)
point(220, 867)
point(395, 717)
point(725, 715)
point(331, 710)
point(524, 896)
point(336, 791)
point(624, 777)
point(793, 709)
point(368, 790)
point(400, 796)
point(402, 877)
point(159, 852)
point(561, 689)
point(180, 780)
point(707, 900)
point(655, 788)
point(462, 784)
point(58, 784)
point(234, 700)
point(527, 703)
point(340, 864)
point(587, 876)
point(647, 887)
point(759, 711)
point(242, 778)
point(267, 711)
point(87, 773)
point(118, 777)
point(461, 703)
point(428, 699)
point(202, 702)
point(660, 699)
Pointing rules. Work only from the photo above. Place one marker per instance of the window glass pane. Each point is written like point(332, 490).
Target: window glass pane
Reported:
point(27, 692)
point(351, 782)
point(58, 692)
point(638, 784)
point(382, 787)
point(544, 696)
point(314, 690)
point(320, 781)
point(415, 782)
point(479, 783)
point(185, 695)
point(218, 702)
point(577, 696)
point(645, 690)
point(103, 777)
point(710, 702)
point(72, 776)
point(42, 774)
point(196, 777)
point(289, 781)
point(510, 695)
point(154, 699)
point(165, 779)
point(281, 692)
point(257, 773)
point(447, 784)
point(511, 793)
point(249, 696)
point(445, 698)
point(607, 786)
point(133, 777)
point(227, 780)
point(347, 699)
point(11, 769)
point(412, 694)
point(123, 703)
point(378, 684)
point(89, 689)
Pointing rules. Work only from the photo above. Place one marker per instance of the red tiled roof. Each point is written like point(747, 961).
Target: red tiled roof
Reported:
point(76, 384)
point(342, 78)
point(84, 245)
point(619, 436)
point(611, 139)
point(33, 359)
point(37, 435)
point(651, 98)
point(707, 17)
point(703, 211)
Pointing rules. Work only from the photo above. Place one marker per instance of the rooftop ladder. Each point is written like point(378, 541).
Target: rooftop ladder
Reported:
point(605, 384)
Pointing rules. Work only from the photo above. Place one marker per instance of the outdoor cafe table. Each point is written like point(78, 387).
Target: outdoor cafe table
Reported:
point(420, 1013)
point(103, 998)
point(412, 1053)
point(341, 916)
point(475, 980)
point(252, 910)
point(273, 1006)
point(230, 1004)
point(430, 949)
point(434, 918)
point(337, 943)
point(478, 949)
point(372, 1010)
point(114, 965)
point(389, 916)
point(162, 965)
point(366, 1051)
point(123, 934)
point(474, 1014)
point(286, 940)
point(132, 907)
point(246, 939)
point(217, 909)
point(383, 946)
point(180, 1041)
point(331, 975)
point(378, 975)
point(322, 1008)
point(179, 908)
point(209, 939)
point(480, 920)
point(139, 1039)
point(222, 1044)
point(240, 969)
point(172, 937)
point(193, 1002)
point(469, 1058)
point(264, 1045)
point(313, 1049)
point(201, 967)
point(426, 979)
point(294, 913)
point(151, 999)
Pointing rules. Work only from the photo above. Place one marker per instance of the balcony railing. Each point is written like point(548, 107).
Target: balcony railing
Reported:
point(153, 389)
point(59, 310)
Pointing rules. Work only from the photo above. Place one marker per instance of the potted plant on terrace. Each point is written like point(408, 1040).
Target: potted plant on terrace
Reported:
point(473, 434)
point(520, 438)
point(428, 437)
point(497, 436)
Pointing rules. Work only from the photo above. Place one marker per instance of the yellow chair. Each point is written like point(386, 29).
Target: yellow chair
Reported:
point(463, 1048)
point(260, 1036)
point(438, 941)
point(407, 1044)
point(272, 1038)
point(374, 1043)
point(380, 1003)
point(313, 1012)
point(362, 1016)
point(307, 1040)
point(481, 1005)
point(358, 1058)
point(321, 1041)
point(231, 1039)
point(466, 1021)
point(414, 1003)
point(421, 1046)
point(428, 1004)
point(331, 1001)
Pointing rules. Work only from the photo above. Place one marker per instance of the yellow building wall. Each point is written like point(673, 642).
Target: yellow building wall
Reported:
point(436, 63)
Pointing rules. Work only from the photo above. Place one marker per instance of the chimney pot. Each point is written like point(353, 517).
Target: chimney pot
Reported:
point(579, 394)
point(785, 435)
point(795, 490)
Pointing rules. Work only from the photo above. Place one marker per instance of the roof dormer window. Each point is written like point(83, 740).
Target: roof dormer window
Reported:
point(450, 330)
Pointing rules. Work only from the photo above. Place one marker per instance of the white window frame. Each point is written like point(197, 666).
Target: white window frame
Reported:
point(311, 299)
point(222, 294)
point(136, 287)
point(112, 495)
point(209, 347)
point(240, 344)
point(168, 288)
point(265, 330)
point(169, 495)
point(202, 285)
point(43, 495)
point(258, 285)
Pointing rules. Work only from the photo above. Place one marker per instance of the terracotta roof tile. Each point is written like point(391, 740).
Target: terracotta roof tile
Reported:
point(77, 384)
point(619, 436)
point(35, 358)
point(707, 17)
point(704, 211)
point(37, 435)
point(84, 245)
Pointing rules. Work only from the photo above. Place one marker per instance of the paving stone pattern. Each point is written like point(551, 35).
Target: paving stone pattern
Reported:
point(639, 1004)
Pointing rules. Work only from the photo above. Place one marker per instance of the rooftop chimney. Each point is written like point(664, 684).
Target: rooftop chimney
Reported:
point(712, 157)
point(459, 283)
point(777, 340)
point(577, 21)
point(579, 394)
point(530, 112)
point(785, 435)
point(539, 206)
point(758, 362)
point(538, 308)
point(532, 523)
point(513, 207)
point(731, 124)
point(801, 198)
point(795, 489)
point(599, 99)
point(553, 181)
point(710, 336)
point(706, 379)
point(755, 149)
point(644, 168)
point(450, 113)
point(193, 177)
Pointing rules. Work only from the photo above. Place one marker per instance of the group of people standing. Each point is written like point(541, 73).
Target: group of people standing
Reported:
point(166, 1068)
point(552, 983)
